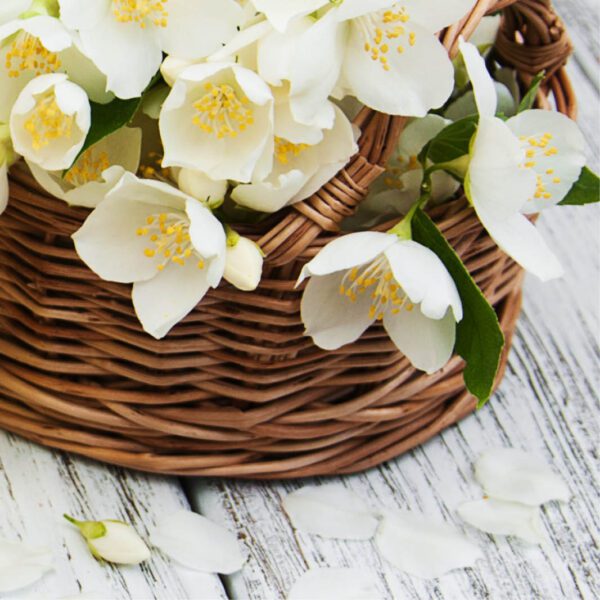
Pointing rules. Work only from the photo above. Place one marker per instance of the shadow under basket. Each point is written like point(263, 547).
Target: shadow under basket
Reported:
point(236, 389)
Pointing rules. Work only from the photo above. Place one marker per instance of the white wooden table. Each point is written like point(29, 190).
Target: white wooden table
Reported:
point(548, 404)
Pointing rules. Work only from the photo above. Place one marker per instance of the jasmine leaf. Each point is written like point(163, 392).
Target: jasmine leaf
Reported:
point(585, 191)
point(479, 339)
point(529, 99)
point(452, 142)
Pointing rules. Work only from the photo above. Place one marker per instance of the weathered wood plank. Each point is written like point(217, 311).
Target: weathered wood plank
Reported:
point(548, 404)
point(37, 486)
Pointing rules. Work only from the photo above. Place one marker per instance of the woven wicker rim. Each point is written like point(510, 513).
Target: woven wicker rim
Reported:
point(236, 389)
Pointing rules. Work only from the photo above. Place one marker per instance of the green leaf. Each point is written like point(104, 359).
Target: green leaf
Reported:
point(585, 191)
point(528, 100)
point(452, 142)
point(479, 338)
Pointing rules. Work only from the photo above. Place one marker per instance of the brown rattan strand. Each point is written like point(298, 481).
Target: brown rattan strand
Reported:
point(236, 389)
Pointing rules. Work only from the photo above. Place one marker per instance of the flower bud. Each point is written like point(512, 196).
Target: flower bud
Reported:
point(243, 268)
point(199, 186)
point(113, 541)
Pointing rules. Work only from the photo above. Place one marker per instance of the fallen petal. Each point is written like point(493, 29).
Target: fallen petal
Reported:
point(514, 475)
point(22, 565)
point(419, 546)
point(197, 543)
point(504, 518)
point(331, 511)
point(333, 584)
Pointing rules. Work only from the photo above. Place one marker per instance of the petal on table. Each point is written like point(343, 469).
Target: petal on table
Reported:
point(511, 474)
point(504, 518)
point(197, 543)
point(419, 546)
point(331, 511)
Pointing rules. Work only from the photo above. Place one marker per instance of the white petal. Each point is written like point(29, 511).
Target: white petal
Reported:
point(348, 251)
point(423, 547)
point(511, 474)
point(331, 511)
point(335, 584)
point(201, 187)
point(524, 243)
point(557, 165)
point(330, 318)
point(197, 28)
point(377, 87)
point(427, 343)
point(74, 16)
point(11, 9)
point(483, 84)
point(22, 565)
point(504, 518)
point(160, 303)
point(128, 55)
point(198, 543)
point(270, 196)
point(4, 190)
point(496, 182)
point(425, 279)
point(281, 12)
point(436, 15)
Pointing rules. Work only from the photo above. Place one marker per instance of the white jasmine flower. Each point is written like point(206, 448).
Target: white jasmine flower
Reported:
point(396, 190)
point(218, 119)
point(304, 160)
point(331, 511)
point(336, 584)
point(486, 33)
point(498, 517)
point(379, 48)
point(365, 277)
point(420, 546)
point(50, 121)
point(126, 38)
point(22, 565)
point(197, 543)
point(521, 166)
point(168, 244)
point(41, 45)
point(96, 171)
point(514, 475)
point(113, 541)
point(244, 263)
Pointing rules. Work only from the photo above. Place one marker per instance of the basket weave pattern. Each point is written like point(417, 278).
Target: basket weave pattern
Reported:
point(237, 389)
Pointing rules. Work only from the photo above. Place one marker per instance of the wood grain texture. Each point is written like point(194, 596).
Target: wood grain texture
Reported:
point(37, 486)
point(548, 405)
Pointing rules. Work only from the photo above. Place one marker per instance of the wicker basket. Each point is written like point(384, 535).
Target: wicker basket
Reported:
point(236, 389)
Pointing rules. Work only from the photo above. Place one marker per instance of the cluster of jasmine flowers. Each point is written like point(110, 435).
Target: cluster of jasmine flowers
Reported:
point(242, 107)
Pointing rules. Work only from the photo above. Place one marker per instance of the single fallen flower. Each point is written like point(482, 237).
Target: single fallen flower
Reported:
point(331, 511)
point(332, 584)
point(514, 475)
point(22, 565)
point(112, 541)
point(498, 517)
point(419, 546)
point(197, 543)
